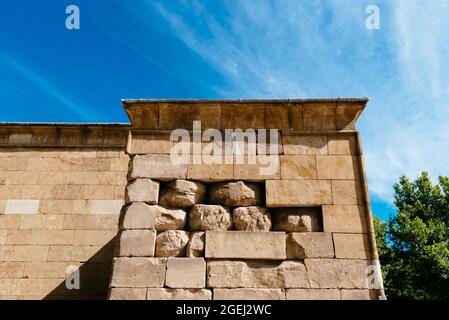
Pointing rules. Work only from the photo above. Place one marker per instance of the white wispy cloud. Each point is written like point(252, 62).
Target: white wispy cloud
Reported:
point(67, 101)
point(321, 48)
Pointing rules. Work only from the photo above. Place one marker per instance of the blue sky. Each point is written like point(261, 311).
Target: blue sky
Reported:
point(240, 49)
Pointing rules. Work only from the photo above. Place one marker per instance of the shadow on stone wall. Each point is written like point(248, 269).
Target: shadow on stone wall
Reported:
point(95, 275)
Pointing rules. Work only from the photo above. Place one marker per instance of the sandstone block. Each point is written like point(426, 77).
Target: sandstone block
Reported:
point(243, 117)
point(212, 172)
point(195, 247)
point(309, 245)
point(183, 193)
point(313, 294)
point(172, 243)
point(257, 167)
point(342, 145)
point(186, 273)
point(127, 293)
point(305, 144)
point(292, 193)
point(150, 144)
point(251, 219)
point(352, 246)
point(249, 294)
point(235, 194)
point(142, 216)
point(347, 192)
point(138, 272)
point(344, 218)
point(210, 217)
point(245, 245)
point(22, 207)
point(157, 166)
point(359, 294)
point(319, 117)
point(209, 115)
point(337, 273)
point(144, 190)
point(298, 167)
point(336, 167)
point(296, 219)
point(178, 294)
point(257, 274)
point(137, 243)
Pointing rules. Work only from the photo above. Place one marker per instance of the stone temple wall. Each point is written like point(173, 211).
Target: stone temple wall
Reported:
point(61, 191)
point(228, 230)
point(108, 205)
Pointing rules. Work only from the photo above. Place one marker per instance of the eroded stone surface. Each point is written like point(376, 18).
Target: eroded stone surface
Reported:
point(195, 247)
point(251, 219)
point(144, 190)
point(127, 294)
point(310, 245)
point(136, 243)
point(296, 219)
point(138, 272)
point(210, 217)
point(172, 243)
point(257, 274)
point(235, 194)
point(313, 294)
point(337, 273)
point(183, 193)
point(142, 216)
point(186, 273)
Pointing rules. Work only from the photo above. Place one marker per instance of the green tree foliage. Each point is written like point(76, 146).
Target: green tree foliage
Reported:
point(414, 245)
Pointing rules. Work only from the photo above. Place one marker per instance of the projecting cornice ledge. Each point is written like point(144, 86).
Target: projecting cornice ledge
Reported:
point(340, 114)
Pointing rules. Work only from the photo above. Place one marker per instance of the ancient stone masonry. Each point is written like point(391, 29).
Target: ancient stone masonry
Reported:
point(195, 199)
point(227, 230)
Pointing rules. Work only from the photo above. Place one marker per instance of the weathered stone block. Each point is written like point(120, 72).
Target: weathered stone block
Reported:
point(144, 190)
point(195, 247)
point(347, 192)
point(298, 167)
point(172, 243)
point(296, 219)
point(136, 243)
point(245, 245)
point(359, 294)
point(127, 293)
point(309, 245)
point(257, 274)
point(249, 294)
point(150, 143)
point(224, 170)
point(257, 168)
point(320, 117)
point(178, 294)
point(342, 145)
point(242, 117)
point(313, 294)
point(344, 218)
point(337, 273)
point(157, 166)
point(292, 193)
point(209, 115)
point(251, 219)
point(304, 144)
point(336, 167)
point(210, 217)
point(142, 216)
point(236, 194)
point(138, 272)
point(183, 193)
point(186, 273)
point(352, 246)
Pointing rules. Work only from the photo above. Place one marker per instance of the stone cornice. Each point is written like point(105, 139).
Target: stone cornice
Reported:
point(63, 135)
point(285, 114)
